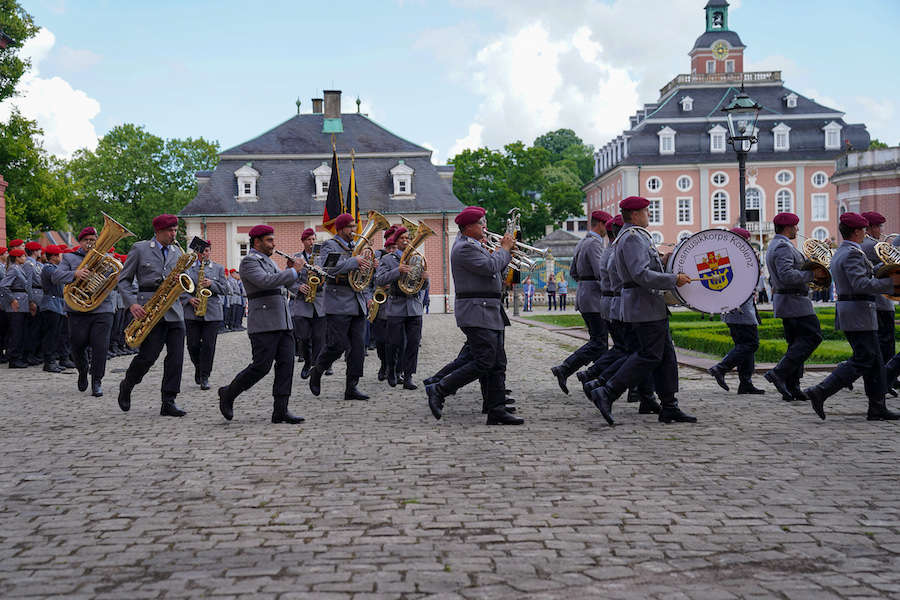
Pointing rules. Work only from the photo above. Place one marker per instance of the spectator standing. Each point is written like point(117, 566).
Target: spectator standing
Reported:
point(562, 289)
point(528, 293)
point(551, 292)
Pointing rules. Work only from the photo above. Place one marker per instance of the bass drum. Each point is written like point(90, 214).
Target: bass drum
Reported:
point(724, 268)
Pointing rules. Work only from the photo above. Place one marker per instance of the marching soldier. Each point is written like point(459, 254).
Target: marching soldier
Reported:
point(742, 323)
point(231, 300)
point(587, 264)
point(790, 300)
point(52, 311)
point(379, 326)
point(203, 331)
point(151, 261)
point(479, 314)
point(268, 326)
point(16, 289)
point(884, 308)
point(856, 287)
point(308, 317)
point(346, 311)
point(403, 313)
point(240, 301)
point(643, 276)
point(32, 269)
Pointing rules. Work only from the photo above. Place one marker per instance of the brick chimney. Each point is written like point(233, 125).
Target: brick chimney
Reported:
point(317, 106)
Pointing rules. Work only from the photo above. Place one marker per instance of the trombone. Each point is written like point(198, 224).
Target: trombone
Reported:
point(521, 261)
point(310, 266)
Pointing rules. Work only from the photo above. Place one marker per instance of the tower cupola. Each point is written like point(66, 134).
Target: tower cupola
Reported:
point(718, 49)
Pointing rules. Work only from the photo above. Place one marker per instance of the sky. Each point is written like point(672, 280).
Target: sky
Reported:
point(447, 75)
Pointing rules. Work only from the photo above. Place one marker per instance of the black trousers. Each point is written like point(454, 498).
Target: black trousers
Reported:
point(464, 356)
point(201, 344)
point(65, 345)
point(742, 356)
point(4, 330)
point(803, 336)
point(15, 337)
point(345, 333)
point(51, 335)
point(90, 330)
point(655, 354)
point(404, 338)
point(562, 301)
point(551, 300)
point(487, 362)
point(309, 337)
point(33, 335)
point(170, 335)
point(866, 362)
point(598, 329)
point(268, 347)
point(886, 333)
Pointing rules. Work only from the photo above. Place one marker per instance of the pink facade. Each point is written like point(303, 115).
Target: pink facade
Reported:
point(870, 181)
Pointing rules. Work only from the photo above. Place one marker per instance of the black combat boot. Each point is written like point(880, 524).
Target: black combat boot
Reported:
point(351, 392)
point(670, 412)
point(280, 413)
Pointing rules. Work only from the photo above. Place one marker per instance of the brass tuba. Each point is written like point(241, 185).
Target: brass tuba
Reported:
point(86, 294)
point(818, 255)
point(889, 255)
point(360, 279)
point(410, 283)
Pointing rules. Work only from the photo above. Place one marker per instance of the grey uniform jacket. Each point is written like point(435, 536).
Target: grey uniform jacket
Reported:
point(477, 271)
point(868, 246)
point(302, 308)
point(267, 289)
point(398, 304)
point(53, 292)
point(614, 310)
point(603, 279)
point(145, 261)
point(853, 276)
point(3, 299)
point(745, 314)
point(16, 285)
point(65, 273)
point(588, 261)
point(219, 287)
point(33, 270)
point(784, 263)
point(642, 274)
point(340, 298)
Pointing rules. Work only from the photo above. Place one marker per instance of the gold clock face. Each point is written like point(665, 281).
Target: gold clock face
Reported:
point(720, 50)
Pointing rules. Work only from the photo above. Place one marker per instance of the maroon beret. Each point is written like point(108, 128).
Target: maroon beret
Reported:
point(618, 221)
point(51, 250)
point(786, 218)
point(261, 230)
point(634, 203)
point(389, 232)
point(3, 250)
point(17, 252)
point(396, 235)
point(87, 231)
point(874, 218)
point(164, 222)
point(469, 215)
point(308, 232)
point(741, 232)
point(853, 220)
point(601, 215)
point(343, 220)
point(32, 246)
point(15, 243)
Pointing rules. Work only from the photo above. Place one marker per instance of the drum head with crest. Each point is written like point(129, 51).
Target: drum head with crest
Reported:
point(725, 266)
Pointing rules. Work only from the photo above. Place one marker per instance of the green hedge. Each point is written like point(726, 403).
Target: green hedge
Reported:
point(770, 350)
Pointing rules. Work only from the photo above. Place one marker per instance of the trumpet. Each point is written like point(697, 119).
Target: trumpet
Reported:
point(521, 261)
point(313, 268)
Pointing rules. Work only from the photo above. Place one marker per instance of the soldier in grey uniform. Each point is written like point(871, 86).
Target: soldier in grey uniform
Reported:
point(52, 310)
point(587, 265)
point(240, 301)
point(379, 325)
point(234, 298)
point(856, 287)
point(202, 332)
point(742, 323)
point(16, 289)
point(33, 268)
point(268, 326)
point(790, 299)
point(477, 277)
point(346, 312)
point(643, 276)
point(3, 257)
point(403, 313)
point(151, 261)
point(308, 317)
point(884, 308)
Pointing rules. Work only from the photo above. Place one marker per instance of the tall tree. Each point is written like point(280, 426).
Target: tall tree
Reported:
point(557, 141)
point(18, 26)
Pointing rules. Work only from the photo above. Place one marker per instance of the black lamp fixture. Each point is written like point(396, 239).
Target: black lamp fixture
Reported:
point(742, 113)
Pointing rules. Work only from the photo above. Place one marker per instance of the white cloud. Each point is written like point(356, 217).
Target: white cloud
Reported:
point(435, 154)
point(471, 140)
point(63, 112)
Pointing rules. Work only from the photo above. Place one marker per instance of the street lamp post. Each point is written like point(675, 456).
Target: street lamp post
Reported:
point(742, 114)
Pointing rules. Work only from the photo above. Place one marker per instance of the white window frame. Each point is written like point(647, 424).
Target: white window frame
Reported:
point(717, 139)
point(729, 66)
point(812, 179)
point(782, 209)
point(781, 130)
point(816, 234)
point(762, 199)
point(659, 204)
point(712, 206)
point(690, 184)
point(322, 173)
point(683, 235)
point(649, 187)
point(710, 66)
point(666, 134)
point(788, 181)
point(712, 178)
point(402, 174)
point(246, 174)
point(690, 210)
point(791, 100)
point(687, 104)
point(657, 237)
point(824, 198)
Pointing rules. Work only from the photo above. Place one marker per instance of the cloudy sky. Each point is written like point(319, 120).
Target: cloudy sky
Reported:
point(448, 75)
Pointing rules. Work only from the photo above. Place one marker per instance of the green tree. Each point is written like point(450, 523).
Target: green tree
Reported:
point(18, 26)
point(557, 141)
point(877, 144)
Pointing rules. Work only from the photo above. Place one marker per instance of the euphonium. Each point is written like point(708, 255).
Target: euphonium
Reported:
point(359, 279)
point(202, 294)
point(176, 283)
point(889, 255)
point(379, 297)
point(86, 294)
point(817, 254)
point(410, 283)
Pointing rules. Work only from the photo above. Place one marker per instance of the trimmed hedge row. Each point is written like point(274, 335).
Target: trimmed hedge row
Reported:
point(770, 350)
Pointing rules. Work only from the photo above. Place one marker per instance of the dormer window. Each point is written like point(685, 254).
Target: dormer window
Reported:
point(322, 173)
point(717, 139)
point(402, 175)
point(247, 178)
point(782, 134)
point(791, 100)
point(687, 104)
point(666, 140)
point(832, 136)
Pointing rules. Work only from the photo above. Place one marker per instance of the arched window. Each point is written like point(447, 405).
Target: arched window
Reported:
point(720, 207)
point(754, 199)
point(820, 233)
point(784, 201)
point(657, 237)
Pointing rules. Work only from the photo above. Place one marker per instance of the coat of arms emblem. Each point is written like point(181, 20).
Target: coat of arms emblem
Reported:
point(714, 270)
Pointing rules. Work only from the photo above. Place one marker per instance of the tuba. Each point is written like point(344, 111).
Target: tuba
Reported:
point(889, 255)
point(818, 255)
point(410, 283)
point(360, 279)
point(86, 294)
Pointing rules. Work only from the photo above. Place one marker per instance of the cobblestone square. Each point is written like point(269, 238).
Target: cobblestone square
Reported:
point(376, 499)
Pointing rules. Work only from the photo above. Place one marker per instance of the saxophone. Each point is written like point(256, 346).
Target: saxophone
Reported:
point(176, 283)
point(86, 294)
point(379, 297)
point(202, 294)
point(360, 279)
point(410, 283)
point(314, 275)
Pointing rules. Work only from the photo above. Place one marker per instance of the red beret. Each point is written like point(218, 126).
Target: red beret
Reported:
point(469, 215)
point(50, 250)
point(396, 236)
point(2, 250)
point(308, 232)
point(874, 218)
point(261, 230)
point(786, 218)
point(741, 232)
point(343, 220)
point(634, 203)
point(87, 231)
point(853, 220)
point(601, 215)
point(32, 246)
point(618, 221)
point(389, 232)
point(17, 252)
point(164, 222)
point(15, 243)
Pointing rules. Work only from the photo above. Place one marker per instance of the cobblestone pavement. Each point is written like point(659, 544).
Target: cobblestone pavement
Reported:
point(377, 499)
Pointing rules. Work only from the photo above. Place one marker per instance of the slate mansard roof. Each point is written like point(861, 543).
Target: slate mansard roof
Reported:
point(286, 155)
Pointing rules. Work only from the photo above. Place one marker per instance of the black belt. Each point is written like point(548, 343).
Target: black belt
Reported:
point(856, 298)
point(590, 278)
point(149, 288)
point(264, 294)
point(18, 290)
point(793, 292)
point(609, 294)
point(630, 285)
point(464, 295)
